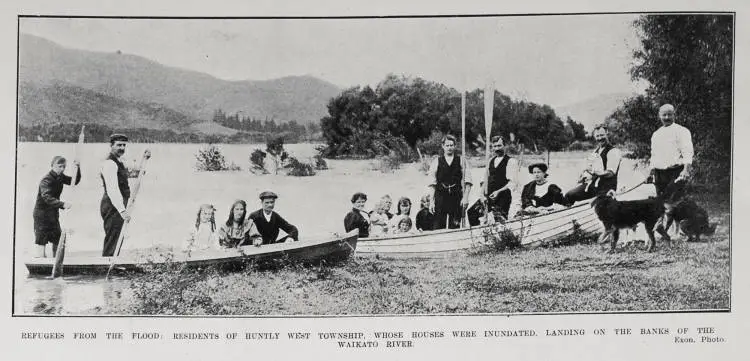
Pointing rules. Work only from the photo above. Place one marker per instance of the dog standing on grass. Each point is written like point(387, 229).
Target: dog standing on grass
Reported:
point(691, 219)
point(616, 215)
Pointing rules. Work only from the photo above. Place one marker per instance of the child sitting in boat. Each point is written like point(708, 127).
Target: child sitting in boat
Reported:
point(379, 218)
point(404, 226)
point(203, 235)
point(403, 210)
point(425, 219)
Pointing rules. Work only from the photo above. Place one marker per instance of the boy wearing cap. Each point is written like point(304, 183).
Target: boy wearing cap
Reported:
point(269, 222)
point(48, 204)
point(114, 176)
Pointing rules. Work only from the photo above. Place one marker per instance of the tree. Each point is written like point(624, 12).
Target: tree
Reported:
point(687, 61)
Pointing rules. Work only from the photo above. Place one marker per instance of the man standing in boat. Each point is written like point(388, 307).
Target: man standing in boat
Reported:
point(499, 186)
point(448, 175)
point(600, 175)
point(114, 176)
point(269, 222)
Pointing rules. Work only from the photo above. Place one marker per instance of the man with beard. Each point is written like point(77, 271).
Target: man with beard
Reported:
point(448, 175)
point(114, 176)
point(269, 222)
point(502, 177)
point(600, 174)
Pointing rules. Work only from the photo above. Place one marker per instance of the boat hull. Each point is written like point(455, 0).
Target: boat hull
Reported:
point(234, 258)
point(531, 230)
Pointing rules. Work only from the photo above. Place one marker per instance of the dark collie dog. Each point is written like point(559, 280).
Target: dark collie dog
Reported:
point(691, 219)
point(616, 215)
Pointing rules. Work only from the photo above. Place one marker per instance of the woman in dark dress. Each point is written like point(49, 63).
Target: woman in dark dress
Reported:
point(357, 218)
point(540, 195)
point(48, 204)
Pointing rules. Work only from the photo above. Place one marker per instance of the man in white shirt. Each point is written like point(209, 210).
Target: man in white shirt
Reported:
point(502, 178)
point(671, 156)
point(114, 176)
point(600, 175)
point(450, 183)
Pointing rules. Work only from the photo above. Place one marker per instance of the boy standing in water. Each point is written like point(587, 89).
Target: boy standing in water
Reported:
point(48, 204)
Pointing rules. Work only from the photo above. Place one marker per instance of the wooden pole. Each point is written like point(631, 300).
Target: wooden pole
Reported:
point(463, 152)
point(129, 209)
point(489, 104)
point(57, 267)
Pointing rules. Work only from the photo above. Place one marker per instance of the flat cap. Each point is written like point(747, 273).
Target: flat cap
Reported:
point(118, 137)
point(268, 194)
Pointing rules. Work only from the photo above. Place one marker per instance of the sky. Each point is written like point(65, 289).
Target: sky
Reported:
point(555, 60)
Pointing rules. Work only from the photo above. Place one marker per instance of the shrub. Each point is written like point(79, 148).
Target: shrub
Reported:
point(210, 159)
point(299, 169)
point(258, 161)
point(576, 236)
point(387, 164)
point(320, 162)
point(432, 145)
point(581, 145)
point(170, 288)
point(499, 238)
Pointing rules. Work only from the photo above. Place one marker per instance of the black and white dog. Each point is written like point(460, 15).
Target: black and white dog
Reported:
point(616, 215)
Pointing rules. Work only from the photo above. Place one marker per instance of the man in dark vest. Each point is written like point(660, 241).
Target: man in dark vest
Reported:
point(502, 176)
point(114, 176)
point(600, 175)
point(450, 183)
point(269, 222)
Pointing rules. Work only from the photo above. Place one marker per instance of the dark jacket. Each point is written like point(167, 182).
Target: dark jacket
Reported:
point(48, 203)
point(270, 230)
point(554, 195)
point(354, 220)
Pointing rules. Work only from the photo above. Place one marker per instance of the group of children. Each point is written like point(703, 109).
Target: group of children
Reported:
point(383, 222)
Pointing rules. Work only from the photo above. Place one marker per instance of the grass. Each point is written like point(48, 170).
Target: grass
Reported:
point(573, 278)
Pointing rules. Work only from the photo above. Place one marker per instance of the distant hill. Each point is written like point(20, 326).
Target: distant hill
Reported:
point(593, 111)
point(197, 95)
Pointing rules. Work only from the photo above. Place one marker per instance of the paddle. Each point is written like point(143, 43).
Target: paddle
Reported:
point(129, 209)
point(57, 267)
point(463, 152)
point(489, 104)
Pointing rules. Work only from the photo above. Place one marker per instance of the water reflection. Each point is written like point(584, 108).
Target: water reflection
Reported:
point(76, 295)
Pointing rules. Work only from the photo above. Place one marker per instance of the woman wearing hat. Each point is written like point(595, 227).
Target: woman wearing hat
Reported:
point(540, 195)
point(48, 204)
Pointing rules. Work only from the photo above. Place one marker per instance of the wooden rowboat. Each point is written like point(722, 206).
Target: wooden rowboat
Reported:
point(337, 248)
point(532, 230)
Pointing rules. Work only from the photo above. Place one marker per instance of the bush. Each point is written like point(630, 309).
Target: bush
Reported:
point(170, 288)
point(387, 164)
point(320, 162)
point(258, 161)
point(299, 169)
point(210, 159)
point(576, 236)
point(433, 145)
point(581, 145)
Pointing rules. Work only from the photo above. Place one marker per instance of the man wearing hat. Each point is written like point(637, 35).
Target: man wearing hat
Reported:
point(48, 204)
point(114, 176)
point(269, 222)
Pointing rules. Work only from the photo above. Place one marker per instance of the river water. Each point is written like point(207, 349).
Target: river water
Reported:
point(172, 191)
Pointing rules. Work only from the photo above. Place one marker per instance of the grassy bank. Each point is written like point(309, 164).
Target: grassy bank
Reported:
point(577, 278)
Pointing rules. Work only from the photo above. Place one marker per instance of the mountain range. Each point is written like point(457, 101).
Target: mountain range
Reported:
point(69, 84)
point(593, 111)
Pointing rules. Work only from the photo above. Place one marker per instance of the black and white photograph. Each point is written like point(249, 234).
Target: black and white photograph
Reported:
point(403, 165)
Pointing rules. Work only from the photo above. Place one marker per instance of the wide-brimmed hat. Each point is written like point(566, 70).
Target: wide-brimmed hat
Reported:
point(541, 166)
point(268, 194)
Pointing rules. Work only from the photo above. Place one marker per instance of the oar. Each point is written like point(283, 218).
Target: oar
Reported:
point(489, 105)
point(129, 209)
point(463, 154)
point(57, 267)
